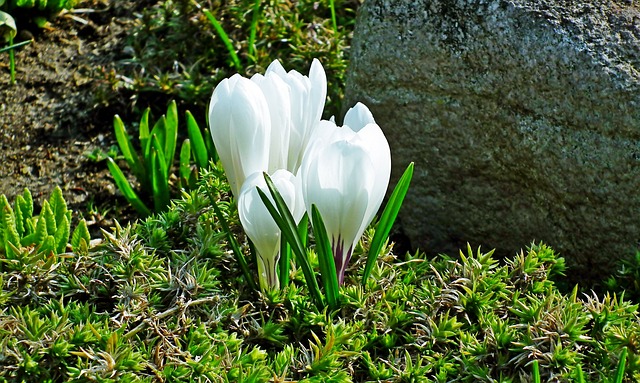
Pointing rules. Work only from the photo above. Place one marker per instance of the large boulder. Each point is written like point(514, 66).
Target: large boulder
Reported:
point(523, 118)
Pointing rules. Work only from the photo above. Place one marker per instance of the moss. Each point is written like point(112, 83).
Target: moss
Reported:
point(163, 300)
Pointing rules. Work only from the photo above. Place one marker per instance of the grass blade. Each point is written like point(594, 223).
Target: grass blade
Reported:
point(334, 23)
point(197, 141)
point(281, 214)
point(251, 49)
point(223, 36)
point(579, 374)
point(126, 189)
point(171, 134)
point(240, 258)
point(387, 219)
point(536, 372)
point(284, 263)
point(621, 366)
point(325, 258)
point(127, 149)
point(185, 159)
point(12, 62)
point(144, 129)
point(159, 176)
point(11, 47)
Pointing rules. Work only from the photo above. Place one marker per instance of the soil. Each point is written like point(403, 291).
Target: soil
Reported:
point(57, 111)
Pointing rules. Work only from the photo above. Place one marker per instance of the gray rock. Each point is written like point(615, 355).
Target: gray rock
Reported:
point(523, 118)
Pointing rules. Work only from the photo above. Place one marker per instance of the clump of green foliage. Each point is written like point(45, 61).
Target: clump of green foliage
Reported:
point(162, 65)
point(153, 165)
point(165, 300)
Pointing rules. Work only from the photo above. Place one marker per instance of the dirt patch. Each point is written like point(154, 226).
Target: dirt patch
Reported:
point(54, 113)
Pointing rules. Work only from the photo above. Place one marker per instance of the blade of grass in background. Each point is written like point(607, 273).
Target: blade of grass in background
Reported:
point(387, 219)
point(254, 28)
point(12, 62)
point(334, 22)
point(15, 46)
point(222, 34)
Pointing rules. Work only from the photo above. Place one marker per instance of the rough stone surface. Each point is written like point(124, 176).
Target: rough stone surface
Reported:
point(523, 118)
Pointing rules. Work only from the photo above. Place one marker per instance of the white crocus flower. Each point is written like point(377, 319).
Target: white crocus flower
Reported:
point(264, 123)
point(307, 98)
point(345, 173)
point(260, 226)
point(240, 123)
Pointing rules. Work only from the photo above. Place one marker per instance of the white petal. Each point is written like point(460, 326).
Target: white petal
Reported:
point(278, 97)
point(358, 117)
point(379, 153)
point(240, 127)
point(277, 68)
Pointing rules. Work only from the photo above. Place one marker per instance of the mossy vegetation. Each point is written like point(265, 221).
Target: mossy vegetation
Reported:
point(164, 300)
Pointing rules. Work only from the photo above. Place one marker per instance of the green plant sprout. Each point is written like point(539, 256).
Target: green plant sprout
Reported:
point(152, 167)
point(46, 233)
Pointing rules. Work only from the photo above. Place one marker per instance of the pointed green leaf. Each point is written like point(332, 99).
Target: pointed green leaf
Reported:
point(197, 141)
point(143, 135)
point(160, 182)
point(211, 148)
point(185, 162)
point(81, 233)
point(127, 149)
point(126, 189)
point(49, 218)
point(8, 225)
point(171, 137)
point(283, 218)
point(387, 219)
point(3, 203)
point(325, 259)
point(20, 219)
point(40, 233)
point(61, 237)
point(158, 131)
point(58, 205)
point(622, 362)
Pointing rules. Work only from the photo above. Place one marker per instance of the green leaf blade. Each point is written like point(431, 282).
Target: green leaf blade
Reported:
point(283, 218)
point(126, 189)
point(197, 141)
point(126, 147)
point(387, 219)
point(326, 260)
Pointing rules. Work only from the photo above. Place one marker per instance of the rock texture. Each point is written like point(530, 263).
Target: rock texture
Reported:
point(523, 118)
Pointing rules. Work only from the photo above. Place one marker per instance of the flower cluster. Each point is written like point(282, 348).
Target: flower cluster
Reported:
point(272, 124)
